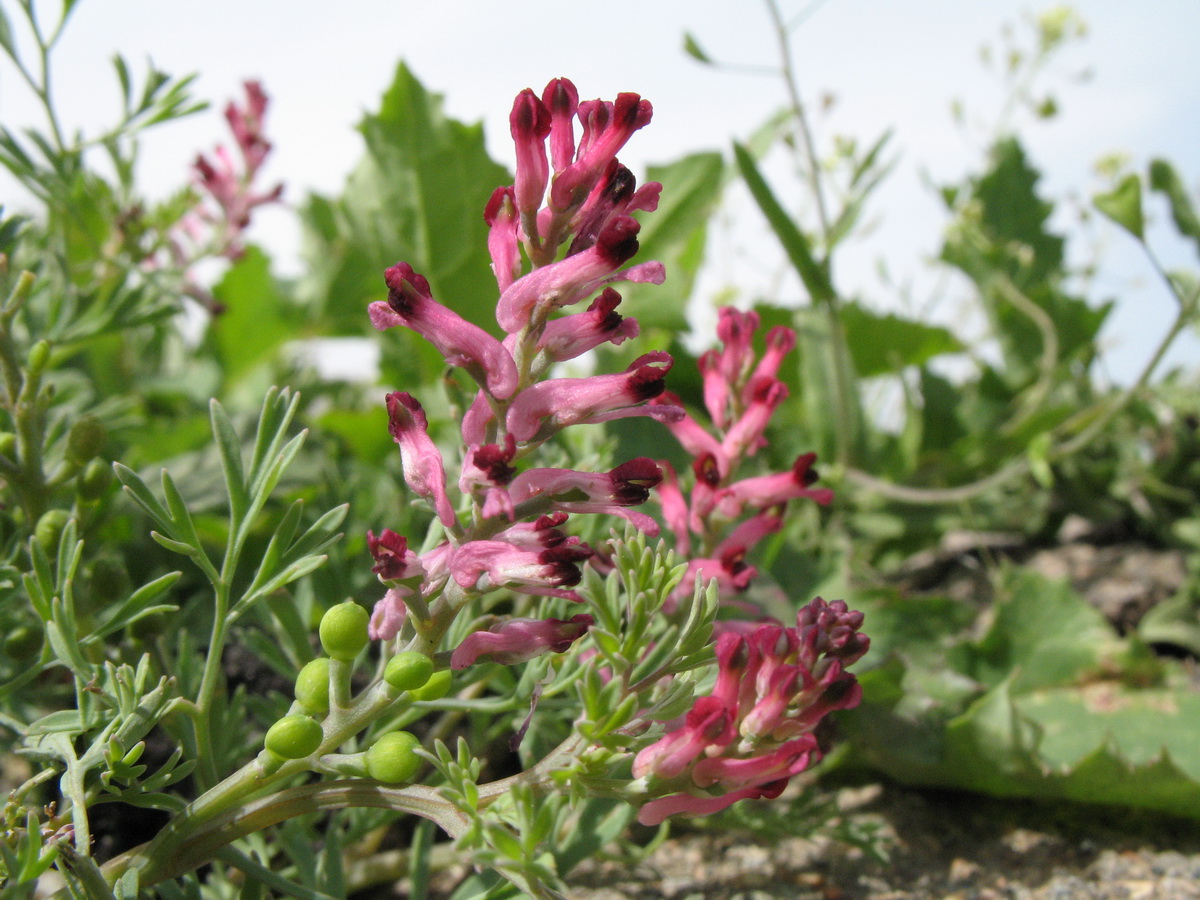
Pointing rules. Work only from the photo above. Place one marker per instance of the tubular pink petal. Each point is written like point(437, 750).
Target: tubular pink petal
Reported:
point(503, 245)
point(423, 469)
point(462, 343)
point(389, 614)
point(549, 406)
point(571, 336)
point(518, 640)
point(561, 98)
point(753, 773)
point(529, 124)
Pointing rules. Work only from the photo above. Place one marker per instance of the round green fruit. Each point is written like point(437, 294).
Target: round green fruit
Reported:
point(408, 670)
point(344, 630)
point(312, 685)
point(86, 439)
point(294, 737)
point(437, 687)
point(49, 529)
point(392, 759)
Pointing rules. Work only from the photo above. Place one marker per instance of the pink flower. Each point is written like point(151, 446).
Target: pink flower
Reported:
point(570, 280)
point(501, 218)
point(515, 641)
point(423, 469)
point(617, 194)
point(393, 560)
point(769, 490)
point(606, 129)
point(529, 124)
point(745, 436)
point(550, 406)
point(489, 564)
point(570, 336)
point(609, 493)
point(657, 811)
point(755, 730)
point(562, 100)
point(411, 304)
point(708, 723)
point(388, 616)
point(231, 185)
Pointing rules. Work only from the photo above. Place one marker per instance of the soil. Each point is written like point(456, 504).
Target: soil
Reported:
point(939, 846)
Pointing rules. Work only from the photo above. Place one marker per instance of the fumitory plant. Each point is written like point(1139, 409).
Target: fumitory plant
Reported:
point(616, 677)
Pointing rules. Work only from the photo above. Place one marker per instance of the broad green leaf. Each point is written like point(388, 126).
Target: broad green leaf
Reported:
point(886, 343)
point(1165, 179)
point(675, 235)
point(1123, 204)
point(1139, 725)
point(417, 195)
point(255, 323)
point(1042, 635)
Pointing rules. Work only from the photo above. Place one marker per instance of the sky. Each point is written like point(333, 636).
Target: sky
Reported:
point(887, 63)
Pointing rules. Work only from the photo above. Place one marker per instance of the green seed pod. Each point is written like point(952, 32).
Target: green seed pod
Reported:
point(408, 670)
point(49, 529)
point(22, 642)
point(94, 480)
point(344, 630)
point(294, 737)
point(86, 439)
point(437, 687)
point(392, 759)
point(312, 686)
point(39, 355)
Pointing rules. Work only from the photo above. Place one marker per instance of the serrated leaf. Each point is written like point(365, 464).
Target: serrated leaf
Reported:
point(417, 195)
point(1123, 205)
point(886, 343)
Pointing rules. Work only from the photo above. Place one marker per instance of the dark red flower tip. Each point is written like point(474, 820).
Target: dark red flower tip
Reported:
point(560, 96)
point(707, 470)
point(641, 471)
point(803, 472)
point(618, 241)
point(496, 202)
point(620, 185)
point(406, 289)
point(631, 111)
point(494, 461)
point(529, 118)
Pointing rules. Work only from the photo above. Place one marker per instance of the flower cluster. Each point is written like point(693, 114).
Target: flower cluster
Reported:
point(216, 225)
point(504, 526)
point(755, 730)
point(230, 184)
point(726, 517)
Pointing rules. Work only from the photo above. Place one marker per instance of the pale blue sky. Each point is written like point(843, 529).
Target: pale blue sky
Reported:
point(890, 63)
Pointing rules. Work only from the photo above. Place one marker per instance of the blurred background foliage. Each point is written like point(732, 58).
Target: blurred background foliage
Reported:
point(111, 353)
